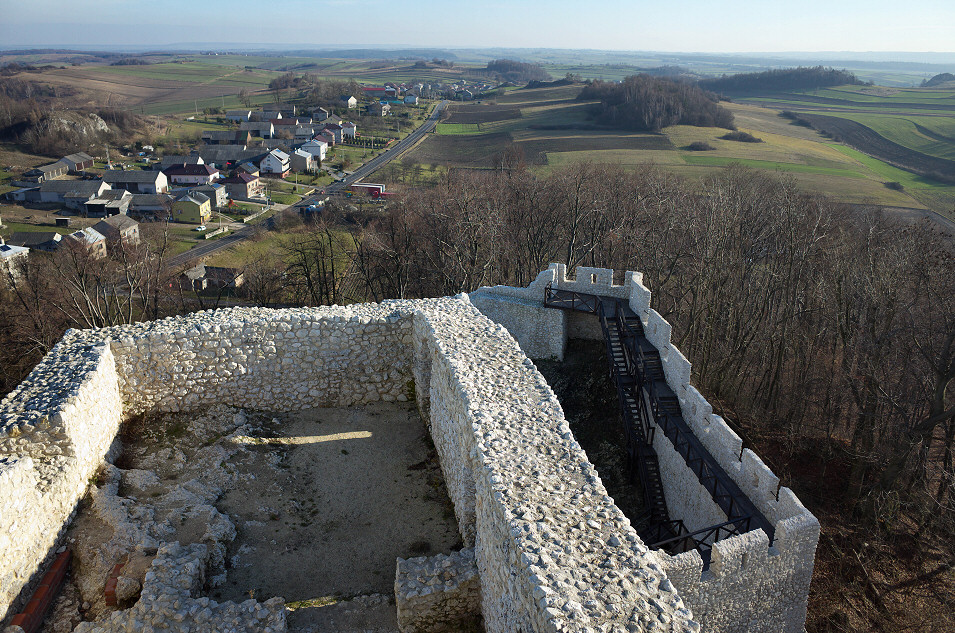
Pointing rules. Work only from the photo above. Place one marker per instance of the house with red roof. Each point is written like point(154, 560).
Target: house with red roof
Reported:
point(196, 174)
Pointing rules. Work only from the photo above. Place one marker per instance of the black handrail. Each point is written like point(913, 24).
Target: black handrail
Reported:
point(644, 383)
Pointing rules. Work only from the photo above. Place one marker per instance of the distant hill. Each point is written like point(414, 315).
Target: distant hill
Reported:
point(781, 80)
point(939, 80)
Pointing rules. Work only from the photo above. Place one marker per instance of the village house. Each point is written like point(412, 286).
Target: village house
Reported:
point(178, 159)
point(284, 144)
point(44, 173)
point(375, 92)
point(319, 114)
point(379, 109)
point(411, 100)
point(202, 277)
point(262, 129)
point(224, 156)
point(109, 203)
point(303, 133)
point(242, 186)
point(224, 277)
point(46, 241)
point(150, 206)
point(118, 229)
point(194, 278)
point(266, 115)
point(137, 181)
point(191, 174)
point(78, 163)
point(249, 168)
point(11, 258)
point(349, 130)
point(89, 240)
point(275, 163)
point(348, 101)
point(238, 115)
point(301, 161)
point(317, 147)
point(192, 208)
point(335, 130)
point(327, 136)
point(216, 192)
point(71, 193)
point(226, 137)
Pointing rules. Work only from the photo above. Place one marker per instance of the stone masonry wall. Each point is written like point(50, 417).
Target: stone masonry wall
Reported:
point(553, 551)
point(437, 594)
point(749, 586)
point(55, 429)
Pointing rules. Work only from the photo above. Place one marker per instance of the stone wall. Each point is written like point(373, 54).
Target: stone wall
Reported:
point(552, 550)
point(55, 430)
point(437, 594)
point(749, 586)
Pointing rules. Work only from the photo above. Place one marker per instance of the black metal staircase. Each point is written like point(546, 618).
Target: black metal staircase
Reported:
point(647, 403)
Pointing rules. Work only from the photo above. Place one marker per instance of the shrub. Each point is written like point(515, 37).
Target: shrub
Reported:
point(742, 137)
point(700, 146)
point(895, 185)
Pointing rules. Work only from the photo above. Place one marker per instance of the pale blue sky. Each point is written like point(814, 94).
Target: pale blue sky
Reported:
point(682, 25)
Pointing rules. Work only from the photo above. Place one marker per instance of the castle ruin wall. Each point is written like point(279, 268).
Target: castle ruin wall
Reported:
point(750, 585)
point(552, 551)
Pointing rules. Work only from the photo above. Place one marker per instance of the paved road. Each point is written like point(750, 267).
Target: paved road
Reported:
point(382, 159)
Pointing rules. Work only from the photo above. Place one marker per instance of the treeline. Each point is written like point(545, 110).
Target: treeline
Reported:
point(130, 61)
point(314, 92)
point(14, 68)
point(517, 72)
point(781, 80)
point(645, 103)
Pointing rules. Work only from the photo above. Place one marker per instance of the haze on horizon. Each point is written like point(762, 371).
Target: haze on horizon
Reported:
point(734, 26)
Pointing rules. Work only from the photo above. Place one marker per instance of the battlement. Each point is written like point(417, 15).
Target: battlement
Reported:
point(750, 585)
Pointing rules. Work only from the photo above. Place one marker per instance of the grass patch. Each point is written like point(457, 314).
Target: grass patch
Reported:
point(721, 161)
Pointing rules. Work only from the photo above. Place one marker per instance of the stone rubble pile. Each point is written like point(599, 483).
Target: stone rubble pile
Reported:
point(170, 602)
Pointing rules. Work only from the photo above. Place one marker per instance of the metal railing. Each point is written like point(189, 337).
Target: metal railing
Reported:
point(637, 370)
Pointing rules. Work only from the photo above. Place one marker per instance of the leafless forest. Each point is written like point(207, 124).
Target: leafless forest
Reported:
point(825, 335)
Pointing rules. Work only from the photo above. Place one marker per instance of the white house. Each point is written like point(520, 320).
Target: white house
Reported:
point(411, 100)
point(348, 101)
point(10, 258)
point(316, 147)
point(275, 162)
point(192, 174)
point(349, 129)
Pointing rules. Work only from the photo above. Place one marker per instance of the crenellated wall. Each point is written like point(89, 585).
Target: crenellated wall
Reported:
point(749, 586)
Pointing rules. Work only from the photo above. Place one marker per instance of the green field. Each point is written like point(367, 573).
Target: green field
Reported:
point(476, 133)
point(932, 135)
